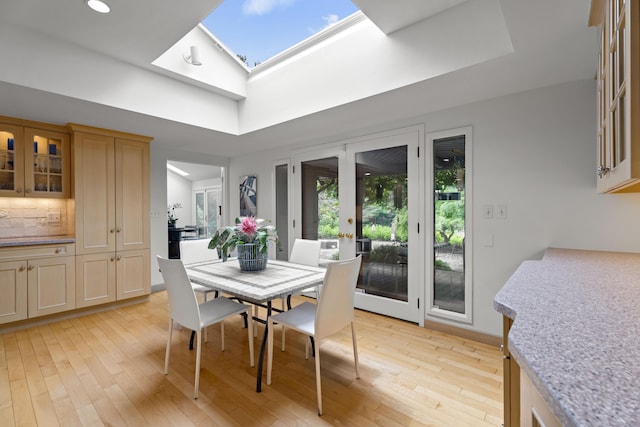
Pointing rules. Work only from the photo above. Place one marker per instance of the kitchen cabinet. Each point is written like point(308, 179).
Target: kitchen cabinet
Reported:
point(36, 281)
point(34, 159)
point(511, 375)
point(618, 168)
point(534, 410)
point(111, 176)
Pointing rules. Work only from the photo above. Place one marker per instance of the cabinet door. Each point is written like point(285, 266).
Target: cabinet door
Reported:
point(52, 284)
point(11, 160)
point(132, 195)
point(94, 193)
point(47, 164)
point(534, 411)
point(13, 289)
point(95, 279)
point(133, 276)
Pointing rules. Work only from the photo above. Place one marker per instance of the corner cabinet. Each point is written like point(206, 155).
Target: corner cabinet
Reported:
point(618, 168)
point(112, 210)
point(34, 159)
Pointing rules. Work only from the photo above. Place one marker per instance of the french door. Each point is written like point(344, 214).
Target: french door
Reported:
point(363, 198)
point(208, 204)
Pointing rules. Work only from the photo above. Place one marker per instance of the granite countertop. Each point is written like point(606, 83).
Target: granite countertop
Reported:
point(576, 333)
point(36, 240)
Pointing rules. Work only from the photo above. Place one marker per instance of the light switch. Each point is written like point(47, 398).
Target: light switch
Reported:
point(487, 211)
point(501, 212)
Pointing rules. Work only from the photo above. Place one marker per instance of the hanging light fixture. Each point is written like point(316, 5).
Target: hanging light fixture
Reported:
point(98, 6)
point(194, 57)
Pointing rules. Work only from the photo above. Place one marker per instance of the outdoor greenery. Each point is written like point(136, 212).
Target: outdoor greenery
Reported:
point(385, 214)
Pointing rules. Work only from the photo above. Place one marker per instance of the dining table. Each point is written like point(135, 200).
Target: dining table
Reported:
point(278, 280)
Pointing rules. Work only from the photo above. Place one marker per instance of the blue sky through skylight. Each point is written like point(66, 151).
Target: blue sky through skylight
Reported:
point(261, 29)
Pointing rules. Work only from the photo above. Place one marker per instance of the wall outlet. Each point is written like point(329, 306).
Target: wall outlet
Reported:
point(54, 217)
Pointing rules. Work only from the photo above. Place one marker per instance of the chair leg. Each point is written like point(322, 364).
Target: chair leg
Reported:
point(249, 329)
point(283, 325)
point(222, 334)
point(269, 349)
point(168, 350)
point(318, 386)
point(255, 325)
point(199, 351)
point(355, 348)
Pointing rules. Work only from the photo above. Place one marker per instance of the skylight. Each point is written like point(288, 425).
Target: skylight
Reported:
point(257, 30)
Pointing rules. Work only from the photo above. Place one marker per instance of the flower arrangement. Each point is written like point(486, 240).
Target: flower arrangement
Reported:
point(247, 229)
point(171, 213)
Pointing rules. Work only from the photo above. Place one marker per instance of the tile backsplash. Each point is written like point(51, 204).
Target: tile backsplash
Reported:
point(26, 217)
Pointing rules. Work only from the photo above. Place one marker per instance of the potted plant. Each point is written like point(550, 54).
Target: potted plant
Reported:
point(171, 214)
point(250, 237)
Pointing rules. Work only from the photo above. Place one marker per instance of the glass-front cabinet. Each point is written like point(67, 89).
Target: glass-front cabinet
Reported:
point(34, 162)
point(11, 160)
point(618, 168)
point(47, 175)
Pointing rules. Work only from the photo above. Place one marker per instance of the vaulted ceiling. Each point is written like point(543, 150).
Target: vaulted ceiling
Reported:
point(62, 62)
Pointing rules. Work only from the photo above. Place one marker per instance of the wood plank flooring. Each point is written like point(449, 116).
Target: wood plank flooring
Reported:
point(106, 369)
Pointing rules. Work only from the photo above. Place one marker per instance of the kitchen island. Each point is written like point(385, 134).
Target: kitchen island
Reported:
point(575, 334)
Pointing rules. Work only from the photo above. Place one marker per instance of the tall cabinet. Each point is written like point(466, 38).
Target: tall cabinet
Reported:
point(112, 208)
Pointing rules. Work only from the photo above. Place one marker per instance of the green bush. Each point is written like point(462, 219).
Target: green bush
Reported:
point(387, 254)
point(381, 232)
point(327, 232)
point(441, 265)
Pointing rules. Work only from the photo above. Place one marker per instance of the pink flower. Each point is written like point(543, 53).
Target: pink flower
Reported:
point(248, 225)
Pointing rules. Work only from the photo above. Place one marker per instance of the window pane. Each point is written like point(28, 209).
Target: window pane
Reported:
point(449, 224)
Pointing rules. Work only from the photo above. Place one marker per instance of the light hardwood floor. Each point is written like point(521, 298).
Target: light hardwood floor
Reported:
point(106, 369)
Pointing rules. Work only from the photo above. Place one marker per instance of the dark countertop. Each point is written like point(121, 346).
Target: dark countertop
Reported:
point(36, 240)
point(575, 333)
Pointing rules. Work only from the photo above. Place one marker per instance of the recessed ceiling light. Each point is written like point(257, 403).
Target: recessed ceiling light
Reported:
point(98, 6)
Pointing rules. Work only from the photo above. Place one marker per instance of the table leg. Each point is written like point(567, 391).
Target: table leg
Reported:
point(262, 348)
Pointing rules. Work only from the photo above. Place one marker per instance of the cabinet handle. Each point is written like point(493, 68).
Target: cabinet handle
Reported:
point(349, 235)
point(118, 230)
point(28, 190)
point(58, 250)
point(113, 259)
point(341, 235)
point(602, 171)
point(118, 257)
point(19, 190)
point(112, 231)
point(31, 267)
point(21, 268)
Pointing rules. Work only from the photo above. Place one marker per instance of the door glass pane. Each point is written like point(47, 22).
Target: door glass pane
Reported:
point(449, 223)
point(200, 214)
point(381, 221)
point(212, 212)
point(282, 211)
point(320, 211)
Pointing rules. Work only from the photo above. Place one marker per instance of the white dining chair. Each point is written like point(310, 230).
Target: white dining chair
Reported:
point(194, 251)
point(304, 252)
point(184, 309)
point(333, 311)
